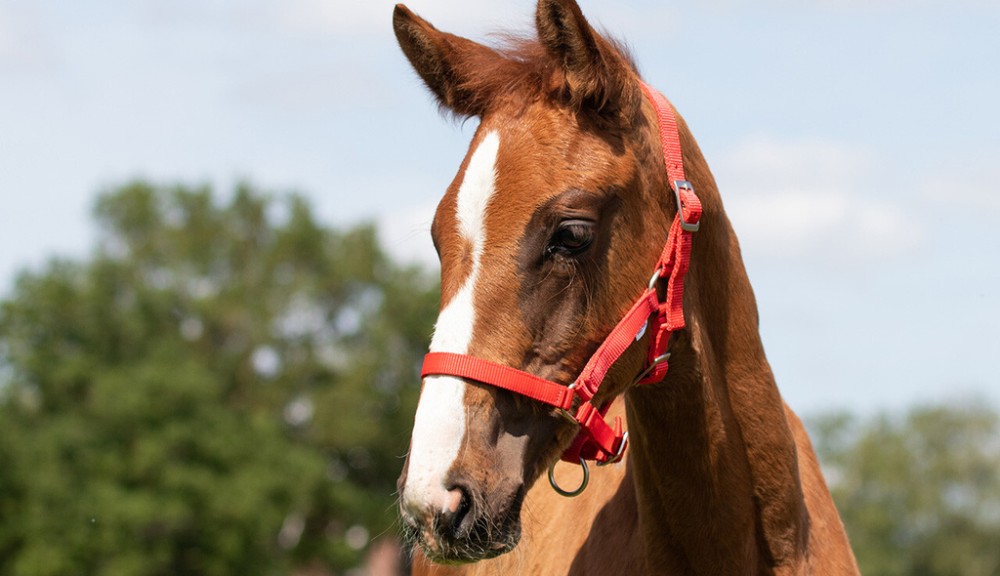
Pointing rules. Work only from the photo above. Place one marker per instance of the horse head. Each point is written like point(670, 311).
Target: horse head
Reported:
point(543, 238)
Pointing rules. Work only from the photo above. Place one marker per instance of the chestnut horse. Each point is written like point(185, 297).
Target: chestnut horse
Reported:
point(546, 237)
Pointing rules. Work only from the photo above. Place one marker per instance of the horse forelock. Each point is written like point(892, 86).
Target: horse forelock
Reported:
point(518, 69)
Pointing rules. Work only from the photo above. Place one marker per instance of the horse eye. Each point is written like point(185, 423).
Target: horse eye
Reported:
point(572, 237)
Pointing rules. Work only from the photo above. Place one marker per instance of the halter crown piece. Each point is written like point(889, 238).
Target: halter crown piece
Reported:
point(598, 440)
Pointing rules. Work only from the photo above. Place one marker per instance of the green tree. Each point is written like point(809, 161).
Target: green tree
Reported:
point(224, 387)
point(920, 495)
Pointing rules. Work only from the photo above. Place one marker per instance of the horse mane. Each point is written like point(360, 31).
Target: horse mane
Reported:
point(518, 66)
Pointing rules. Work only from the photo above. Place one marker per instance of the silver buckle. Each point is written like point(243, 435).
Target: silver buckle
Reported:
point(678, 185)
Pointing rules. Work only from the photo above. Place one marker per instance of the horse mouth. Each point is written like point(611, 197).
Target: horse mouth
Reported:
point(485, 538)
point(479, 544)
point(455, 552)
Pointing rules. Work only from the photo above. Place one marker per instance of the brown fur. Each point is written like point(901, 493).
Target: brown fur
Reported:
point(720, 477)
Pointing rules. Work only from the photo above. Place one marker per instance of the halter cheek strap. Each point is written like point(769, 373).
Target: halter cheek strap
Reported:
point(598, 440)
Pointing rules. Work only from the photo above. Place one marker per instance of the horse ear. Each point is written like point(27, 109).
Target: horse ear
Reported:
point(596, 74)
point(444, 61)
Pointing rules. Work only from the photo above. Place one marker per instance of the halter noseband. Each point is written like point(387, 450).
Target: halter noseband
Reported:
point(598, 440)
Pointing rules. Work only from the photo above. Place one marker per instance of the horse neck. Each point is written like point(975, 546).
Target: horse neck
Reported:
point(713, 456)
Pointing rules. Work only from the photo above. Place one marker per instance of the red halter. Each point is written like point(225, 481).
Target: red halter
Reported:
point(597, 440)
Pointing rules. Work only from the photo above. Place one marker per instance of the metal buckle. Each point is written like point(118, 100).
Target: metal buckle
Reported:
point(564, 412)
point(678, 185)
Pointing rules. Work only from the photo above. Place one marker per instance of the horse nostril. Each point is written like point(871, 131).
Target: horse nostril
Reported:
point(457, 506)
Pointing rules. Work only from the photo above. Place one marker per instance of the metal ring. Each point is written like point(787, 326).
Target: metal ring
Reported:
point(568, 493)
point(655, 277)
point(656, 361)
point(618, 456)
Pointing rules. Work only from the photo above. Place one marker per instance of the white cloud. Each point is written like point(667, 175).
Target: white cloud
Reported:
point(968, 184)
point(793, 198)
point(24, 41)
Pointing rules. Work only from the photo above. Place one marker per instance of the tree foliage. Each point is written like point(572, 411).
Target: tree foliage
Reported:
point(919, 495)
point(224, 387)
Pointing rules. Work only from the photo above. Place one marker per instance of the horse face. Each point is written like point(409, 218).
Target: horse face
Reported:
point(527, 234)
point(540, 241)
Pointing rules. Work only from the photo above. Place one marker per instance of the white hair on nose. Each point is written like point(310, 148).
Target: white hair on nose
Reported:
point(439, 425)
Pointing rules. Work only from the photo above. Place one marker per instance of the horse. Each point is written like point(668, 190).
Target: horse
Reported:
point(546, 237)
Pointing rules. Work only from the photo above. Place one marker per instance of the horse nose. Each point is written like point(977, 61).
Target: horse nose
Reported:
point(457, 506)
point(444, 512)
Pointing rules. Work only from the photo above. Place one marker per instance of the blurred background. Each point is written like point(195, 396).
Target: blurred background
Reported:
point(217, 281)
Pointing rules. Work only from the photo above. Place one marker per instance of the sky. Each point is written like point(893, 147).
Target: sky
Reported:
point(856, 144)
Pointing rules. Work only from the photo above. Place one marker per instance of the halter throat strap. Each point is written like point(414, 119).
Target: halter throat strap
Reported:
point(598, 440)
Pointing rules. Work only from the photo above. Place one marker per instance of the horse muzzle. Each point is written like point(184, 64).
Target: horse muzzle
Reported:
point(459, 526)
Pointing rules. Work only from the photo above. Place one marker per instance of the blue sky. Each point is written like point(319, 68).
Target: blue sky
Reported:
point(856, 144)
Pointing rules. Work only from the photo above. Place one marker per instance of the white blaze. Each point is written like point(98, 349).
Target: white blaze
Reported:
point(439, 425)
